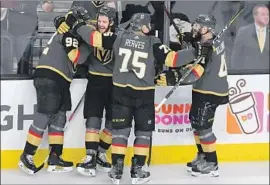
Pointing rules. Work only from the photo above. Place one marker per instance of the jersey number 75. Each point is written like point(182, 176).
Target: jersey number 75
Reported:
point(137, 59)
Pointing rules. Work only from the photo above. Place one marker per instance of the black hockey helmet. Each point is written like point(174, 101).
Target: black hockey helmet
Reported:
point(206, 20)
point(140, 19)
point(108, 12)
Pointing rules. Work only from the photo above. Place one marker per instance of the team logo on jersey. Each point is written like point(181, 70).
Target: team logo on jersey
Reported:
point(103, 55)
point(98, 3)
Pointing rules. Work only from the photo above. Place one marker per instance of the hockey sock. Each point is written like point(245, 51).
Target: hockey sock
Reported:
point(91, 140)
point(105, 140)
point(198, 143)
point(119, 149)
point(30, 149)
point(56, 149)
point(119, 144)
point(56, 140)
point(141, 149)
point(34, 138)
point(115, 157)
point(211, 157)
point(209, 147)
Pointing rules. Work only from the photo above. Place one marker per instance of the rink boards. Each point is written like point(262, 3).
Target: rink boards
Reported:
point(241, 127)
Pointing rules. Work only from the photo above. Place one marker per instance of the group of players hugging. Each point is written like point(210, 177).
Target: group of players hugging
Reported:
point(122, 76)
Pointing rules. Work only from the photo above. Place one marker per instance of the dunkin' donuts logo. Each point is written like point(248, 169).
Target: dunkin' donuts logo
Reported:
point(173, 118)
point(245, 110)
point(173, 114)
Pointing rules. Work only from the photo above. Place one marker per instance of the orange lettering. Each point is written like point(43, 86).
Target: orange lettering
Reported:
point(178, 109)
point(187, 108)
point(166, 109)
point(157, 110)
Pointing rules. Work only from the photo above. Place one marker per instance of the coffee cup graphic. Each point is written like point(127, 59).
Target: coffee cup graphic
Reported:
point(243, 107)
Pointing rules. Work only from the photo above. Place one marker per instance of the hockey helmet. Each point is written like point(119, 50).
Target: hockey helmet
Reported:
point(140, 19)
point(81, 13)
point(108, 12)
point(206, 20)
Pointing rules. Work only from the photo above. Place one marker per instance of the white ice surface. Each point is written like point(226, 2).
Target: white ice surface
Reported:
point(230, 173)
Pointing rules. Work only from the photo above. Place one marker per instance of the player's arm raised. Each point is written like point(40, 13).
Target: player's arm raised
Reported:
point(95, 38)
point(71, 46)
point(77, 51)
point(172, 58)
point(181, 57)
point(88, 33)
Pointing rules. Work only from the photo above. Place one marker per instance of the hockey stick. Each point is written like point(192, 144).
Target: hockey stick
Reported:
point(212, 8)
point(77, 107)
point(43, 164)
point(150, 152)
point(174, 25)
point(178, 83)
point(241, 8)
point(69, 119)
point(75, 110)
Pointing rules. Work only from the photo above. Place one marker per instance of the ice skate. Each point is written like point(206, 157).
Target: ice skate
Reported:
point(57, 164)
point(117, 171)
point(198, 159)
point(205, 169)
point(27, 165)
point(103, 164)
point(88, 166)
point(138, 174)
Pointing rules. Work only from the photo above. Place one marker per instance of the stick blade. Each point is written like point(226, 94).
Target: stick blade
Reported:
point(39, 168)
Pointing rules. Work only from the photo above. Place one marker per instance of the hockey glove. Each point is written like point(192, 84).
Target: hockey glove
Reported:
point(160, 52)
point(60, 25)
point(187, 37)
point(195, 74)
point(169, 78)
point(74, 21)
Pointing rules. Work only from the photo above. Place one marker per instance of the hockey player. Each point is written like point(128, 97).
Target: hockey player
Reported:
point(133, 87)
point(133, 94)
point(92, 7)
point(52, 79)
point(210, 89)
point(99, 97)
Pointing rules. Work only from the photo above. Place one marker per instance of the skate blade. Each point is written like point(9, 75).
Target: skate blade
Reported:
point(103, 169)
point(210, 174)
point(86, 172)
point(24, 169)
point(59, 169)
point(139, 180)
point(115, 181)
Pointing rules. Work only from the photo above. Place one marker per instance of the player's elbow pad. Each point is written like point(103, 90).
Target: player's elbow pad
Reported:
point(195, 74)
point(74, 55)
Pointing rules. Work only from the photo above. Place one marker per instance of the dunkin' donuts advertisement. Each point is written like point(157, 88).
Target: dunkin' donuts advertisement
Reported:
point(245, 112)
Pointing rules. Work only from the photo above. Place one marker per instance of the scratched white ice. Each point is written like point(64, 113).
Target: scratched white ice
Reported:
point(230, 173)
